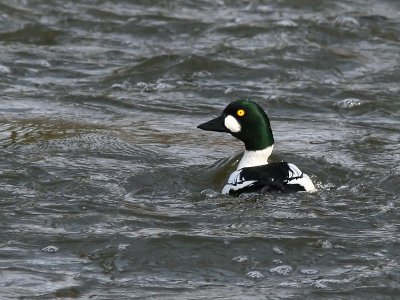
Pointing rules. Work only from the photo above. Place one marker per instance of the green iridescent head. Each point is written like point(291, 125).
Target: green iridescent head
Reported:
point(246, 121)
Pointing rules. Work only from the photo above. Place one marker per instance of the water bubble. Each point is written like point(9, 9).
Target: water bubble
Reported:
point(264, 8)
point(349, 103)
point(141, 85)
point(342, 187)
point(164, 86)
point(344, 21)
point(290, 284)
point(4, 69)
point(388, 207)
point(319, 285)
point(206, 231)
point(282, 270)
point(326, 245)
point(379, 254)
point(210, 193)
point(117, 86)
point(186, 83)
point(149, 89)
point(121, 86)
point(201, 74)
point(308, 271)
point(99, 177)
point(277, 261)
point(229, 90)
point(50, 249)
point(277, 250)
point(348, 266)
point(32, 70)
point(123, 246)
point(240, 259)
point(323, 282)
point(330, 81)
point(44, 63)
point(255, 275)
point(287, 23)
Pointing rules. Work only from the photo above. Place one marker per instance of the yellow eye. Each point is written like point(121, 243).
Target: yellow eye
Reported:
point(240, 112)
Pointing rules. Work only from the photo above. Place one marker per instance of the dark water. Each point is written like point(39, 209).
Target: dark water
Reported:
point(108, 190)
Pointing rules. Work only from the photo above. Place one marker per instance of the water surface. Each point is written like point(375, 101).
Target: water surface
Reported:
point(108, 190)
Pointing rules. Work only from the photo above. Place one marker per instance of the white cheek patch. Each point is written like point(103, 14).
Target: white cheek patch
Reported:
point(232, 124)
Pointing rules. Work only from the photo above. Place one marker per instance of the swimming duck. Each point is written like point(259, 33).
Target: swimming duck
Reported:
point(248, 122)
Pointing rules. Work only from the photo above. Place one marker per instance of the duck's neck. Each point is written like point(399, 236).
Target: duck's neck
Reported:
point(255, 157)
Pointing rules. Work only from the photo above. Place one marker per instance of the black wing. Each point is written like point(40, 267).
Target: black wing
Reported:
point(265, 178)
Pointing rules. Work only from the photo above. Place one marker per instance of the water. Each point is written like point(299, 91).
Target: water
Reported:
point(108, 190)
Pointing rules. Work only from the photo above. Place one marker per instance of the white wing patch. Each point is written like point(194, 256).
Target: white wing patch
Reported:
point(298, 177)
point(236, 182)
point(294, 172)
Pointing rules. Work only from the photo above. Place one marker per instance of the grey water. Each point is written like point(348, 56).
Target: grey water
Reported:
point(108, 190)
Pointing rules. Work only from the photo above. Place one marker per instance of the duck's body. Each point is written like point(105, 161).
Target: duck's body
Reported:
point(248, 122)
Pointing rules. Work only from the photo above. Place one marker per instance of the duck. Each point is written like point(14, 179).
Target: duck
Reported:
point(248, 122)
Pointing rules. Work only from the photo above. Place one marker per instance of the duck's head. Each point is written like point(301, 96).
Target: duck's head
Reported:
point(246, 121)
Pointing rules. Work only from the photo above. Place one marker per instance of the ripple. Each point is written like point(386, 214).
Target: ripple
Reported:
point(35, 34)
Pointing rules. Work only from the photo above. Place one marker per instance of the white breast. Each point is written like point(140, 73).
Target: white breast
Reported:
point(255, 158)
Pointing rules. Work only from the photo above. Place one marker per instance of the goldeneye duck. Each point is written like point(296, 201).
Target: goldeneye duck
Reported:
point(248, 122)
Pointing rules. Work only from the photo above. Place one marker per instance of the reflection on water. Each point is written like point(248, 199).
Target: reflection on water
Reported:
point(108, 190)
